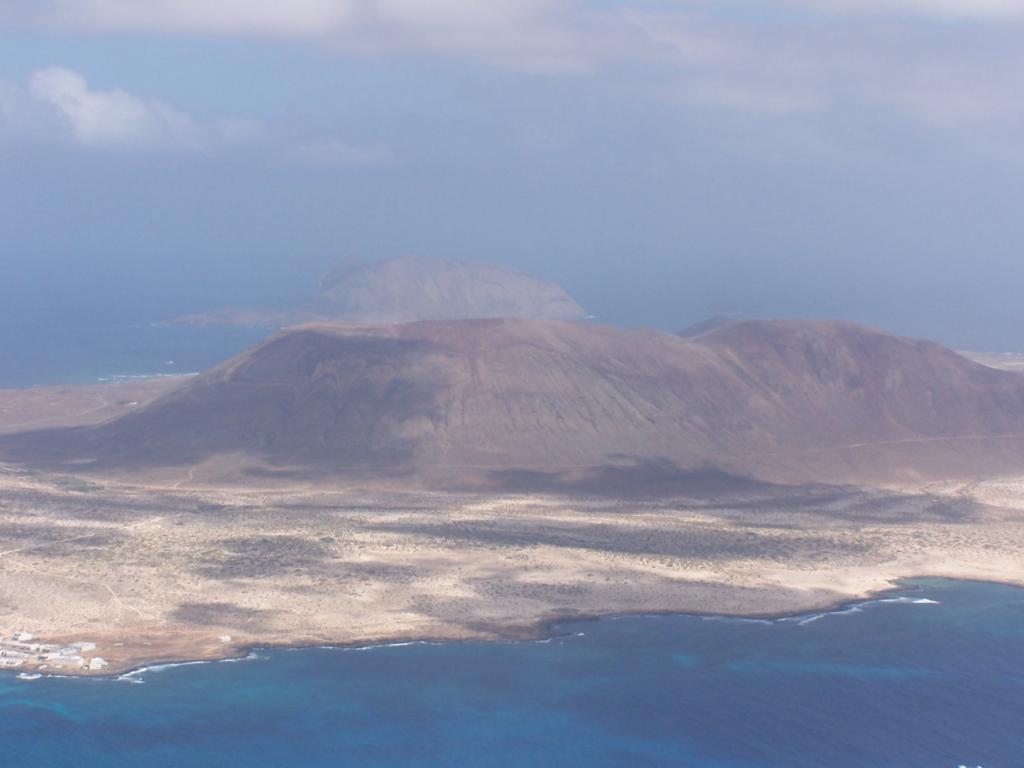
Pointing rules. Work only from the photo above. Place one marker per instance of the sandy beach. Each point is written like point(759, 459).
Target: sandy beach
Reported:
point(152, 574)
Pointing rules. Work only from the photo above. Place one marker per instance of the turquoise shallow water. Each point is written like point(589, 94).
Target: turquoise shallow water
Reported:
point(895, 683)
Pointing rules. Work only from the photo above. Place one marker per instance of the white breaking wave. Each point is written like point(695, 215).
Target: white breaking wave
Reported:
point(133, 676)
point(378, 645)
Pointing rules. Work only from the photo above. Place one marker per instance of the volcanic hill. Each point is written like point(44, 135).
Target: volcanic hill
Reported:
point(412, 288)
point(415, 288)
point(558, 405)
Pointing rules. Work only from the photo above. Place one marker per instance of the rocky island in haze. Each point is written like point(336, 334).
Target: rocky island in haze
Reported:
point(413, 288)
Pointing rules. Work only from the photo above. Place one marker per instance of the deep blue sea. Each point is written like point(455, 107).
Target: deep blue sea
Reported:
point(931, 677)
point(90, 352)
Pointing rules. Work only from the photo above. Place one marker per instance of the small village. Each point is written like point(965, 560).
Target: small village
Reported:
point(23, 651)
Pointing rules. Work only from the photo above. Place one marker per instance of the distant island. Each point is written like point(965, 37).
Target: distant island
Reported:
point(411, 288)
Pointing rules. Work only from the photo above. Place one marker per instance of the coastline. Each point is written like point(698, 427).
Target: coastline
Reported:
point(936, 641)
point(541, 630)
point(63, 405)
point(148, 575)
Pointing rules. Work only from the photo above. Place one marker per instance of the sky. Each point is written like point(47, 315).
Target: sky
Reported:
point(664, 161)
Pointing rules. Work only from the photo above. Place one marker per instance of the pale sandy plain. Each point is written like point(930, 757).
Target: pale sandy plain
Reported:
point(153, 574)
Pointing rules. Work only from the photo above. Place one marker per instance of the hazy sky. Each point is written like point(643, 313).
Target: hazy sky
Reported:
point(664, 161)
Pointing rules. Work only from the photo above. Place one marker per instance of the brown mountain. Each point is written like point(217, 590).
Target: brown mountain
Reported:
point(413, 288)
point(706, 326)
point(561, 405)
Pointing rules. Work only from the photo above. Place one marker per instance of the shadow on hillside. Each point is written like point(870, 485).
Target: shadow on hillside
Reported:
point(708, 543)
point(640, 478)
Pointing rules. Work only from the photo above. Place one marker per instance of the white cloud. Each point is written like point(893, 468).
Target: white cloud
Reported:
point(22, 117)
point(527, 33)
point(115, 118)
point(776, 60)
point(295, 17)
point(457, 24)
point(978, 10)
point(955, 80)
point(453, 17)
point(271, 17)
point(335, 153)
point(59, 104)
point(533, 35)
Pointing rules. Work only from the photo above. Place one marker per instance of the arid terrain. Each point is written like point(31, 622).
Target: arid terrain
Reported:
point(154, 574)
point(121, 545)
point(75, 405)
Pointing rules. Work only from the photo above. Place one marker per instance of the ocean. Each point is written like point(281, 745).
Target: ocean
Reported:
point(90, 352)
point(929, 677)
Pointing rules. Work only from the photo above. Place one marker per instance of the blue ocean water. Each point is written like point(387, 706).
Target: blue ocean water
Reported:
point(88, 352)
point(895, 683)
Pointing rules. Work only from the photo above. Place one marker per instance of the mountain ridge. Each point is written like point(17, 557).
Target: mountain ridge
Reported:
point(479, 401)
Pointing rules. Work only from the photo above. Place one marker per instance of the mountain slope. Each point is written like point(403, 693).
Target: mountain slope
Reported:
point(539, 401)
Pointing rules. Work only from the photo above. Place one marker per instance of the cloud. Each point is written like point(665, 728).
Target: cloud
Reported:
point(296, 17)
point(459, 24)
point(527, 33)
point(22, 117)
point(872, 74)
point(59, 103)
point(824, 62)
point(116, 119)
point(335, 153)
point(535, 34)
point(976, 10)
point(270, 17)
point(113, 118)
